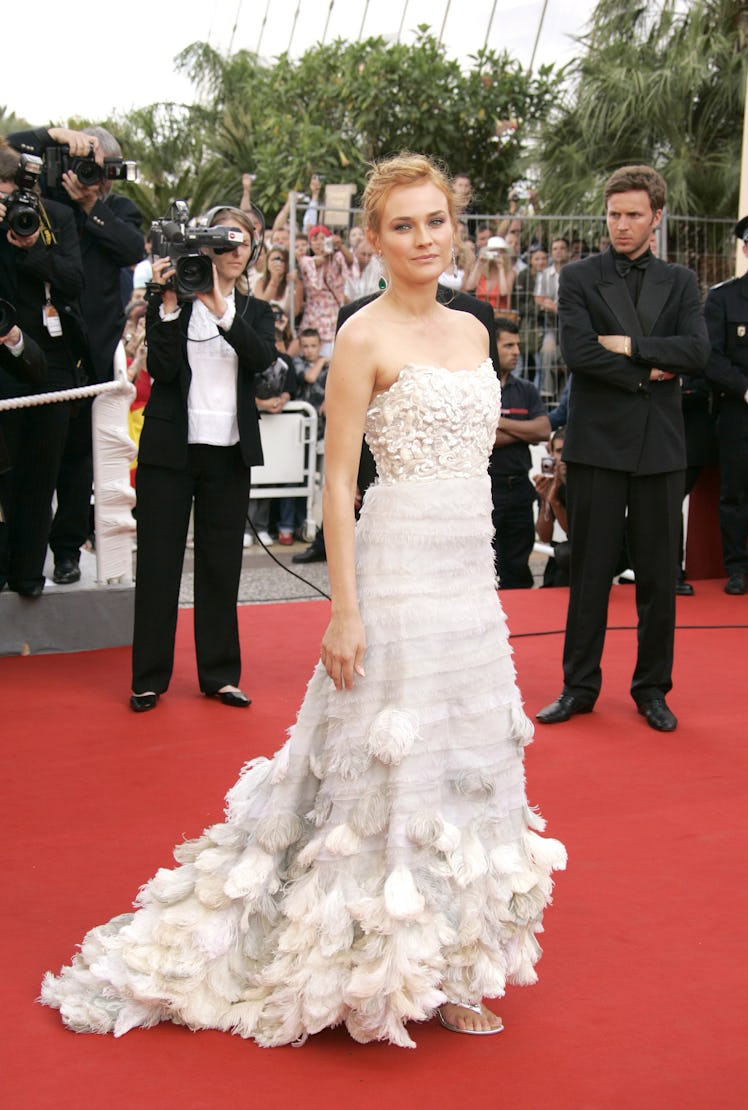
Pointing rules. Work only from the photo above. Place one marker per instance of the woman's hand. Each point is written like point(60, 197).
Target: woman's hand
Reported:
point(214, 300)
point(162, 272)
point(343, 649)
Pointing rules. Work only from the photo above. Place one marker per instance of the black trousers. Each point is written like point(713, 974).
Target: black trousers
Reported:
point(733, 494)
point(604, 506)
point(514, 530)
point(71, 526)
point(35, 438)
point(217, 482)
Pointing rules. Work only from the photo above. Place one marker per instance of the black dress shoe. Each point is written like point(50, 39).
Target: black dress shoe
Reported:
point(658, 715)
point(564, 707)
point(141, 703)
point(311, 555)
point(66, 572)
point(35, 590)
point(683, 588)
point(735, 584)
point(234, 698)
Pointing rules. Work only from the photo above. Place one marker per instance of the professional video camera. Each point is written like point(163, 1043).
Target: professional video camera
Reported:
point(8, 317)
point(173, 237)
point(22, 205)
point(57, 161)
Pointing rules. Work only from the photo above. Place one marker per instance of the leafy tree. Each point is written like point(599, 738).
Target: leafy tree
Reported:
point(661, 83)
point(331, 111)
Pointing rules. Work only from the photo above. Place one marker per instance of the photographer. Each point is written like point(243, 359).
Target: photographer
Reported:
point(523, 421)
point(200, 438)
point(325, 273)
point(551, 487)
point(41, 274)
point(109, 231)
point(492, 277)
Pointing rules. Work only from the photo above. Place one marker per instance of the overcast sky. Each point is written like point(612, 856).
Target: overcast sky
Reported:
point(92, 59)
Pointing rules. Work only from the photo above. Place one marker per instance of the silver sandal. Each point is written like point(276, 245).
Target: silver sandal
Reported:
point(470, 1032)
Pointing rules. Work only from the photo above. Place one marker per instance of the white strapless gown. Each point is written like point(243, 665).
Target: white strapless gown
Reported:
point(385, 860)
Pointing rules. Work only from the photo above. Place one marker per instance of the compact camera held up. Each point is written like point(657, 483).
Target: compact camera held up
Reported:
point(22, 205)
point(57, 161)
point(173, 237)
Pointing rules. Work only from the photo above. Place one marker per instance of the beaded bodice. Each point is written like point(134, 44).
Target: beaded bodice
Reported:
point(434, 423)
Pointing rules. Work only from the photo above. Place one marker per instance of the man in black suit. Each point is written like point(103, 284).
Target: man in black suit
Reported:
point(41, 274)
point(630, 324)
point(110, 236)
point(461, 302)
point(21, 361)
point(726, 312)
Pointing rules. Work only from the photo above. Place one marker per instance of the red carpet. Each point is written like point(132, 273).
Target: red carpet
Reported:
point(641, 999)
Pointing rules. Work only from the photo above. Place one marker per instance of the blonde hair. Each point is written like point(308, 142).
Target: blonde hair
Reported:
point(403, 169)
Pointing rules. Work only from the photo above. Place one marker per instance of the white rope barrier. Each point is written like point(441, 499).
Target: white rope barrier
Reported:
point(76, 394)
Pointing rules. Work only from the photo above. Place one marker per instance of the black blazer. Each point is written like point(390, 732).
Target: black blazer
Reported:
point(163, 440)
point(618, 419)
point(110, 239)
point(24, 272)
point(19, 375)
point(726, 312)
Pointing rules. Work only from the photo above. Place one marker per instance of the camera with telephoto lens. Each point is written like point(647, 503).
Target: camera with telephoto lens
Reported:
point(173, 237)
point(57, 161)
point(22, 205)
point(8, 318)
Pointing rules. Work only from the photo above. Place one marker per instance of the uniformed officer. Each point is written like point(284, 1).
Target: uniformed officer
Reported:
point(726, 312)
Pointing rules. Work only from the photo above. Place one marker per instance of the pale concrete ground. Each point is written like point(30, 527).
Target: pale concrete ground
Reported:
point(262, 580)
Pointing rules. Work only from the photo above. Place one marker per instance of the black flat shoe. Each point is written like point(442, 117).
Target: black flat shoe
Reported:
point(684, 589)
point(658, 715)
point(141, 703)
point(234, 698)
point(735, 584)
point(564, 707)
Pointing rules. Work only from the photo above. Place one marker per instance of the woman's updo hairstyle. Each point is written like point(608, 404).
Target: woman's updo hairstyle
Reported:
point(403, 169)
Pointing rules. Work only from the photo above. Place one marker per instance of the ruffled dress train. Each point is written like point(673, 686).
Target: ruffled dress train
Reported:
point(385, 859)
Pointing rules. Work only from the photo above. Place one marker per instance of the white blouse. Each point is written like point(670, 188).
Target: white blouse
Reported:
point(211, 402)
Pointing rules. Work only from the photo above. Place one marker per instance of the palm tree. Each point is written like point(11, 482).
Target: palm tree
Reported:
point(661, 83)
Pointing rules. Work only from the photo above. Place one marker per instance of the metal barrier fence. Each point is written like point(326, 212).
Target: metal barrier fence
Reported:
point(705, 245)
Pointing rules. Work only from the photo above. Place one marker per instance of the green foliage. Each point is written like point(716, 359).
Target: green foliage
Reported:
point(10, 122)
point(331, 111)
point(661, 83)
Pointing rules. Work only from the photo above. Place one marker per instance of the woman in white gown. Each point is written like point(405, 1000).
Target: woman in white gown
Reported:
point(384, 866)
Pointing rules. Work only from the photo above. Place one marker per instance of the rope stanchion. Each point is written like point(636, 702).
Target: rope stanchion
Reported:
point(77, 394)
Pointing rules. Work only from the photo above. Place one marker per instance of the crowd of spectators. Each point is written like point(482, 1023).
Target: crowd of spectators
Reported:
point(90, 278)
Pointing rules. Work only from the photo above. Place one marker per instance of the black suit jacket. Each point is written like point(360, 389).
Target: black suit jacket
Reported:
point(163, 440)
point(19, 375)
point(618, 419)
point(726, 312)
point(58, 263)
point(110, 239)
